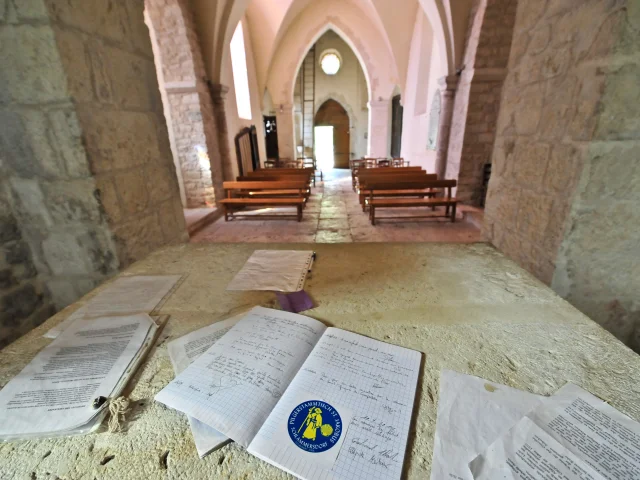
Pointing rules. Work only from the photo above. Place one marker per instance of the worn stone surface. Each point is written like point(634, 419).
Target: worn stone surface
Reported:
point(467, 308)
point(565, 175)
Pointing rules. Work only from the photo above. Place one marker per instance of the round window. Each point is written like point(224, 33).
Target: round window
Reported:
point(330, 62)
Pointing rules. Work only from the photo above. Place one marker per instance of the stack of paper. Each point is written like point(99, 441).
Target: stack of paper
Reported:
point(125, 295)
point(489, 431)
point(314, 401)
point(274, 270)
point(54, 395)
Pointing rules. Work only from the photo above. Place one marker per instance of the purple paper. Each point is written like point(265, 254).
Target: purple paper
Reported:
point(295, 302)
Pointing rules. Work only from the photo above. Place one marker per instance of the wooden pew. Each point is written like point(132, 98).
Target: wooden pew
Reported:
point(373, 172)
point(286, 171)
point(243, 194)
point(377, 187)
point(365, 192)
point(303, 178)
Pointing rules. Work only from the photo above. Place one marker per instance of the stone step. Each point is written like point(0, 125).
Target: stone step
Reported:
point(198, 218)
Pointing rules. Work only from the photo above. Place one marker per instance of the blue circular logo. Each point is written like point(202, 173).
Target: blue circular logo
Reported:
point(314, 426)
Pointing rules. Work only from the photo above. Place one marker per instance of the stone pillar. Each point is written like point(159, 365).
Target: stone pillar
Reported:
point(379, 128)
point(218, 94)
point(448, 87)
point(87, 169)
point(188, 105)
point(285, 125)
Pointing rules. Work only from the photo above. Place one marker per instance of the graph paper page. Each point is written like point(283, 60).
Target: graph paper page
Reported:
point(375, 381)
point(234, 385)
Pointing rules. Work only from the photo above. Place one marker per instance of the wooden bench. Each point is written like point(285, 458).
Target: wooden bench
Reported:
point(243, 194)
point(303, 178)
point(378, 188)
point(374, 172)
point(364, 192)
point(286, 171)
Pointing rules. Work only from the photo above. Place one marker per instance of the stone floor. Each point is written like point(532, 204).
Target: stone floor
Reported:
point(333, 215)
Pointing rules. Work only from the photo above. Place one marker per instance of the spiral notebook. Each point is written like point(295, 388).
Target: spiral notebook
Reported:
point(274, 270)
point(315, 401)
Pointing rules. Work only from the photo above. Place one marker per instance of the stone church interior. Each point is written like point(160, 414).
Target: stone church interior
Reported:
point(452, 185)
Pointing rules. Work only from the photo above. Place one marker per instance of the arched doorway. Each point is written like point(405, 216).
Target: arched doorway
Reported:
point(332, 114)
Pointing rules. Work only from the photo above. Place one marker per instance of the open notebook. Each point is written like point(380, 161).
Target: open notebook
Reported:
point(315, 401)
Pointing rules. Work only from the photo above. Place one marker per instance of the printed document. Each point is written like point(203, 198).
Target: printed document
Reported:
point(54, 393)
point(573, 435)
point(125, 295)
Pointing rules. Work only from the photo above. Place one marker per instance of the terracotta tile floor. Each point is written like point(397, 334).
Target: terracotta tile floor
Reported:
point(333, 215)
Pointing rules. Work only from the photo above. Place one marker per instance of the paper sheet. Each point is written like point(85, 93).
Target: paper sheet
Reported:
point(588, 437)
point(55, 391)
point(526, 452)
point(274, 270)
point(185, 350)
point(125, 295)
point(373, 381)
point(472, 413)
point(235, 384)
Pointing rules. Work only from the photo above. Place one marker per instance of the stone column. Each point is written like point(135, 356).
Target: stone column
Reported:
point(284, 122)
point(218, 94)
point(448, 87)
point(379, 128)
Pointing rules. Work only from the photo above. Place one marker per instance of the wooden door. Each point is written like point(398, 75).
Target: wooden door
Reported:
point(331, 113)
point(396, 126)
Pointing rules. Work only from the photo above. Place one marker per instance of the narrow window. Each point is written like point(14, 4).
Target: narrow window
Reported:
point(240, 77)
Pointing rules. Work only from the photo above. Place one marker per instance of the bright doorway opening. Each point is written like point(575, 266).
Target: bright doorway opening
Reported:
point(324, 147)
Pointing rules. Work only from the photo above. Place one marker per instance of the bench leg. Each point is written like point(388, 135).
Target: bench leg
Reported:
point(226, 213)
point(372, 209)
point(299, 213)
point(453, 213)
point(446, 211)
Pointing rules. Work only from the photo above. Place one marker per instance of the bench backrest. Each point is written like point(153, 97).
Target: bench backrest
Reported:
point(282, 171)
point(374, 185)
point(393, 170)
point(267, 185)
point(397, 179)
point(274, 178)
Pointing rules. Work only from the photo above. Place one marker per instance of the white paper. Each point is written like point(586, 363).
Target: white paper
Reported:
point(55, 391)
point(185, 350)
point(274, 270)
point(526, 452)
point(375, 381)
point(472, 413)
point(235, 384)
point(594, 431)
point(574, 432)
point(125, 295)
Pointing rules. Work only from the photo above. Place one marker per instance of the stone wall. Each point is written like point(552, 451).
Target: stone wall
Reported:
point(86, 164)
point(477, 100)
point(565, 187)
point(191, 115)
point(25, 302)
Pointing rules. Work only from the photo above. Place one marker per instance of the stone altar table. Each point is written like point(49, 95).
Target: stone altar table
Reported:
point(466, 307)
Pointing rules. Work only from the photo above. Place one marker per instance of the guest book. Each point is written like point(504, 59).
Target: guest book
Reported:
point(315, 401)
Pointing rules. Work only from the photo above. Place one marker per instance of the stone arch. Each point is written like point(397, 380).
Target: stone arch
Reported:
point(186, 100)
point(354, 28)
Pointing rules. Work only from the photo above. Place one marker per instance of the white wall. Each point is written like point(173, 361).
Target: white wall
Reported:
point(234, 122)
point(348, 87)
point(424, 69)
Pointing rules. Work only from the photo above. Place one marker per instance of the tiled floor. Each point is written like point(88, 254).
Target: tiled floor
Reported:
point(333, 215)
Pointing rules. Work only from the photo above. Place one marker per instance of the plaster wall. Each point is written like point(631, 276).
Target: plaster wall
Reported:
point(425, 68)
point(86, 164)
point(234, 122)
point(563, 195)
point(348, 87)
